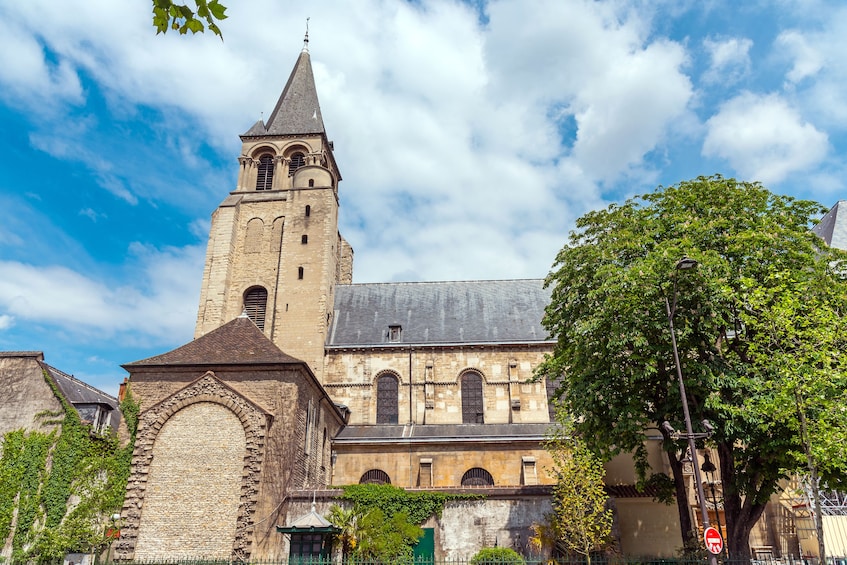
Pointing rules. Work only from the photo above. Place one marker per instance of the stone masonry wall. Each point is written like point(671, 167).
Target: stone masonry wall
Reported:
point(24, 392)
point(166, 481)
point(350, 377)
point(194, 484)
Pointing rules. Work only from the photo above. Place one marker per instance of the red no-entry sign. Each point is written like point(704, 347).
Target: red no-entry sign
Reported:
point(713, 539)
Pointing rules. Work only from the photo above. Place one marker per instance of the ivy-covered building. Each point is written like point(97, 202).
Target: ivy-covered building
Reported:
point(64, 460)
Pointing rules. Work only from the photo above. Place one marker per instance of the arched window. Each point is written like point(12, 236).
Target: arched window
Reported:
point(308, 210)
point(297, 161)
point(375, 477)
point(255, 303)
point(300, 273)
point(311, 183)
point(386, 400)
point(472, 398)
point(265, 176)
point(477, 477)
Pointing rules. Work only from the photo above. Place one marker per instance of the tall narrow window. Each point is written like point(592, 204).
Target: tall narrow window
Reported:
point(308, 210)
point(255, 303)
point(386, 400)
point(472, 398)
point(265, 176)
point(297, 160)
point(299, 272)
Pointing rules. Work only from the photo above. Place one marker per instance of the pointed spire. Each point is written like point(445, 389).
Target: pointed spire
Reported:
point(297, 112)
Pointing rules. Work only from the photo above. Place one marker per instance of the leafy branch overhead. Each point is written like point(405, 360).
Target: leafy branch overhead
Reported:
point(168, 15)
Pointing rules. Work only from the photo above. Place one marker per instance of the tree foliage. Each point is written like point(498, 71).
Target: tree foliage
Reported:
point(580, 522)
point(382, 523)
point(170, 15)
point(760, 318)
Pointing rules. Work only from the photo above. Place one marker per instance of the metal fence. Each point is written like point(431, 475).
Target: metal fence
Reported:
point(599, 560)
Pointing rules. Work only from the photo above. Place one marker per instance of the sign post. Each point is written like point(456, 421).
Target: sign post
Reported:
point(714, 541)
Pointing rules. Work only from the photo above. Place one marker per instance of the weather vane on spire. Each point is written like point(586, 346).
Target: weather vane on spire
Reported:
point(306, 39)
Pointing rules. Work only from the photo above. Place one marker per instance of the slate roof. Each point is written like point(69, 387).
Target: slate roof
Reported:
point(77, 392)
point(441, 432)
point(833, 227)
point(297, 111)
point(237, 342)
point(440, 312)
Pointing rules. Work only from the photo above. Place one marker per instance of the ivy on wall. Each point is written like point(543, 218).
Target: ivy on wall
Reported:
point(57, 489)
point(417, 505)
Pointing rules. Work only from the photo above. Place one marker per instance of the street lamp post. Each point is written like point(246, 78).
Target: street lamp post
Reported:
point(685, 264)
point(709, 468)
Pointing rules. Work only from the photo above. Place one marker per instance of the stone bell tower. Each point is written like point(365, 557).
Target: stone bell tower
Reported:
point(274, 249)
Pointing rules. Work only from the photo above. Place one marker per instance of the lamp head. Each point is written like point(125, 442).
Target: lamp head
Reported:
point(685, 264)
point(666, 426)
point(707, 466)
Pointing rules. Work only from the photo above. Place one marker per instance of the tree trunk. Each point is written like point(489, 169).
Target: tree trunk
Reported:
point(686, 528)
point(741, 514)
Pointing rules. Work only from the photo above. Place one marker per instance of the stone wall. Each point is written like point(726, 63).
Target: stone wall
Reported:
point(442, 464)
point(171, 476)
point(286, 422)
point(24, 392)
point(434, 395)
point(193, 486)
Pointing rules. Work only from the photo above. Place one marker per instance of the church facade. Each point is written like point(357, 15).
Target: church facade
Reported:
point(298, 380)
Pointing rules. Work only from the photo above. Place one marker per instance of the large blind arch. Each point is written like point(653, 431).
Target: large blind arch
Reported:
point(472, 398)
point(255, 305)
point(387, 399)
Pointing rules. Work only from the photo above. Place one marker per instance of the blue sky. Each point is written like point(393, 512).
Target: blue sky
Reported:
point(470, 137)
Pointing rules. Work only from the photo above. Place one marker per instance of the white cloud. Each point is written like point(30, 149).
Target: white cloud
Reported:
point(26, 76)
point(6, 321)
point(729, 60)
point(763, 138)
point(434, 115)
point(818, 68)
point(155, 306)
point(807, 60)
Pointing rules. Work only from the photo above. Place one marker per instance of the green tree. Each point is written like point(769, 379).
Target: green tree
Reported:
point(169, 15)
point(387, 539)
point(613, 352)
point(347, 521)
point(800, 342)
point(580, 522)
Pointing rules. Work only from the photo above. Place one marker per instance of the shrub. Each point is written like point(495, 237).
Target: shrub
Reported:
point(497, 556)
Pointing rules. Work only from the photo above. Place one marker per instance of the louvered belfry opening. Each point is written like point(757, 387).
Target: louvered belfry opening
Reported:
point(255, 303)
point(472, 399)
point(386, 400)
point(297, 161)
point(477, 477)
point(265, 176)
point(375, 477)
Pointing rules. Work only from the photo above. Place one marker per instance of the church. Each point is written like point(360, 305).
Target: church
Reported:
point(298, 379)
